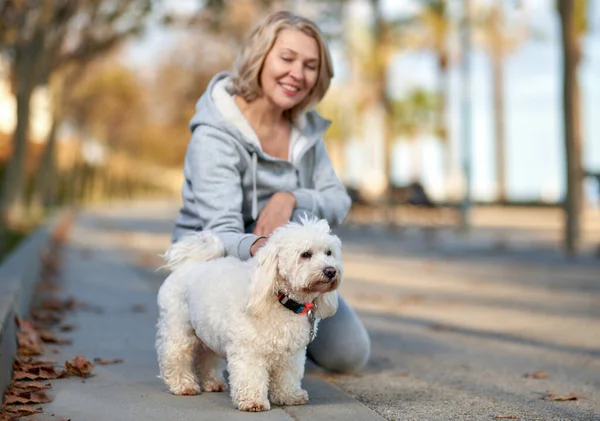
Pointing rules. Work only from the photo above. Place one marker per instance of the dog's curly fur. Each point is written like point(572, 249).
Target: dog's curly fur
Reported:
point(213, 308)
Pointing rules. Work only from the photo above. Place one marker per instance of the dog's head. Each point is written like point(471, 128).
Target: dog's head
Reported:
point(304, 260)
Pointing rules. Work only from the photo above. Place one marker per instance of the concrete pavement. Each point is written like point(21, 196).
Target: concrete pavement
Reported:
point(456, 323)
point(103, 268)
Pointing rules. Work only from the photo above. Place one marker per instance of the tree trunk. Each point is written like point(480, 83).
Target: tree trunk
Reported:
point(498, 86)
point(574, 194)
point(416, 155)
point(43, 195)
point(26, 76)
point(14, 175)
point(444, 81)
point(380, 93)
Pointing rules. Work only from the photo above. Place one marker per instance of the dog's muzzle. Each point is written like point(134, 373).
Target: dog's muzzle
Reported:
point(329, 272)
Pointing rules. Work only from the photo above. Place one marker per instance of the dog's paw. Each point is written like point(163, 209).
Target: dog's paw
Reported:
point(298, 398)
point(185, 390)
point(214, 385)
point(254, 405)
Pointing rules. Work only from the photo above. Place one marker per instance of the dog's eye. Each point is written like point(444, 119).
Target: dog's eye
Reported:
point(306, 255)
point(328, 252)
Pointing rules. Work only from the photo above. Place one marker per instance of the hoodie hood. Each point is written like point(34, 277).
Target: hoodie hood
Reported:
point(217, 108)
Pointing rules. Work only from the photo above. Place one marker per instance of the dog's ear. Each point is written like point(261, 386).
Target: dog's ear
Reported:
point(264, 279)
point(327, 305)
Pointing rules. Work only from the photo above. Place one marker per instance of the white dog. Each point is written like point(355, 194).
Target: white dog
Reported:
point(259, 315)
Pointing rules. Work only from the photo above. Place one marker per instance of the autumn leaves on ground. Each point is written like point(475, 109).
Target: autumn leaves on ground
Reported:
point(37, 337)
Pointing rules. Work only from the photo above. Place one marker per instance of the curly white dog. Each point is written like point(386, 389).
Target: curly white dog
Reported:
point(259, 315)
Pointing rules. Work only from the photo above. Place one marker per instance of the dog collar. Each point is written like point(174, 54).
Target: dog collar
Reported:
point(295, 306)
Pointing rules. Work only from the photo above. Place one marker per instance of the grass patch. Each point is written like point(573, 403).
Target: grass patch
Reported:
point(10, 239)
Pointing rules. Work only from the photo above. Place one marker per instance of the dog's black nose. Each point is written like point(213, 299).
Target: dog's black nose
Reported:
point(329, 272)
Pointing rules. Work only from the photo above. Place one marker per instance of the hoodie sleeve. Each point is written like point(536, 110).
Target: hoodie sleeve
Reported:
point(328, 199)
point(213, 165)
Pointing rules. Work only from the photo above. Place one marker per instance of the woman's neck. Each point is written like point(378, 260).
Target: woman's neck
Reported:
point(260, 113)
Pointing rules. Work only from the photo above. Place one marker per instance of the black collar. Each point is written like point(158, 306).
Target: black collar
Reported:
point(292, 305)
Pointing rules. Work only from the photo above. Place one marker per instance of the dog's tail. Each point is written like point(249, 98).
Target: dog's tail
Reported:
point(191, 248)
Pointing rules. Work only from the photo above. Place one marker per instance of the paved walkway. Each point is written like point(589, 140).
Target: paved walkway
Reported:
point(104, 267)
point(455, 327)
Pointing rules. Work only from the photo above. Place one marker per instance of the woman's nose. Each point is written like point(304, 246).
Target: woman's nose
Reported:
point(297, 72)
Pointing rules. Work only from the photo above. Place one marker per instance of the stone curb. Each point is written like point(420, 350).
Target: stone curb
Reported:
point(19, 275)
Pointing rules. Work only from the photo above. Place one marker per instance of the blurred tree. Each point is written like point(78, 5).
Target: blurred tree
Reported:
point(107, 104)
point(499, 39)
point(430, 29)
point(181, 78)
point(573, 20)
point(39, 37)
point(415, 115)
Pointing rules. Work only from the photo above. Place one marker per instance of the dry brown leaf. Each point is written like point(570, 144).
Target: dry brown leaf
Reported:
point(138, 308)
point(36, 373)
point(30, 369)
point(553, 397)
point(441, 327)
point(52, 338)
point(31, 386)
point(29, 341)
point(67, 328)
point(24, 362)
point(507, 417)
point(79, 366)
point(102, 361)
point(14, 396)
point(15, 411)
point(537, 375)
point(46, 316)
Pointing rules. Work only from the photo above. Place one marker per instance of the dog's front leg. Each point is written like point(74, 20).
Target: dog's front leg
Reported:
point(286, 377)
point(249, 382)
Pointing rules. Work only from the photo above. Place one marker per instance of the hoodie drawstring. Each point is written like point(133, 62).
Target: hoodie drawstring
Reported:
point(254, 194)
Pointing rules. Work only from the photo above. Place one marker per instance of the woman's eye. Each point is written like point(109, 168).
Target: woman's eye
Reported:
point(306, 255)
point(311, 67)
point(328, 252)
point(288, 59)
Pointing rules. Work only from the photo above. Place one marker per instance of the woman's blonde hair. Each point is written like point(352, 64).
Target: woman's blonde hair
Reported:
point(250, 61)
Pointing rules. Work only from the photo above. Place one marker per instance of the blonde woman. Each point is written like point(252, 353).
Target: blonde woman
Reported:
point(256, 160)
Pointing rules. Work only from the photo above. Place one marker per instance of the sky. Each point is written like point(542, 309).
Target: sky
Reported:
point(533, 110)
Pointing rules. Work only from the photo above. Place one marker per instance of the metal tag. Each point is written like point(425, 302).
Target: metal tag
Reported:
point(311, 320)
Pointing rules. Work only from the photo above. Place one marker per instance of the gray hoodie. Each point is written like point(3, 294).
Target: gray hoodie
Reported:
point(229, 179)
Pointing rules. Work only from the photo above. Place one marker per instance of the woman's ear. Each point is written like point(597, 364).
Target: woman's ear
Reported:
point(326, 305)
point(264, 279)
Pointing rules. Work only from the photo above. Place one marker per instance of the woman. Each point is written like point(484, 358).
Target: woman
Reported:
point(257, 160)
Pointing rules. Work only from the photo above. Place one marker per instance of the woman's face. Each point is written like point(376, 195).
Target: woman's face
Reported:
point(290, 69)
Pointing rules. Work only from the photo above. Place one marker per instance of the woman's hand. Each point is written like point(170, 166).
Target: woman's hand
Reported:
point(257, 245)
point(277, 212)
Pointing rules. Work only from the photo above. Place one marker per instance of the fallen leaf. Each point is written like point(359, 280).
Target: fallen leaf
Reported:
point(17, 411)
point(507, 417)
point(79, 366)
point(36, 373)
point(29, 341)
point(14, 396)
point(441, 327)
point(102, 361)
point(537, 375)
point(30, 361)
point(31, 386)
point(67, 328)
point(52, 338)
point(553, 397)
point(401, 374)
point(49, 317)
point(138, 308)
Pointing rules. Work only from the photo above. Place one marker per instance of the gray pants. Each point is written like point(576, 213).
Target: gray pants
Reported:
point(342, 343)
